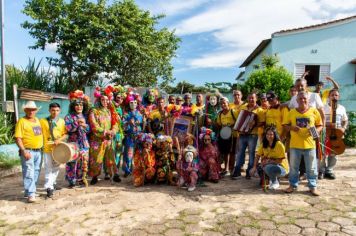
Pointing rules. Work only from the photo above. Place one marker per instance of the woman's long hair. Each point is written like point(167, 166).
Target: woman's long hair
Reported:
point(85, 108)
point(265, 142)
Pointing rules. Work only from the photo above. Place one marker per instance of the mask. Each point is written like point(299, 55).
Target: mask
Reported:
point(133, 105)
point(189, 156)
point(213, 100)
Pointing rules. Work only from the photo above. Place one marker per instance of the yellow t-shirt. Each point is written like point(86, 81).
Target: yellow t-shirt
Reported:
point(278, 152)
point(303, 139)
point(325, 95)
point(274, 117)
point(30, 133)
point(227, 119)
point(261, 117)
point(155, 114)
point(237, 107)
point(58, 131)
point(195, 108)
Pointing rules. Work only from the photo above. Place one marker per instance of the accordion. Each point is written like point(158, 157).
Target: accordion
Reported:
point(245, 122)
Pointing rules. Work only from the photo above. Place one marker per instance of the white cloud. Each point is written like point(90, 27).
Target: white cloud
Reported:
point(51, 47)
point(239, 25)
point(171, 7)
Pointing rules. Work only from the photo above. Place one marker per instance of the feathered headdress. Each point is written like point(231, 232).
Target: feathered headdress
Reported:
point(131, 95)
point(119, 90)
point(109, 92)
point(78, 96)
point(205, 131)
point(164, 138)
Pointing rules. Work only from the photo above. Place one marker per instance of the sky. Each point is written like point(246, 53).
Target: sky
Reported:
point(217, 35)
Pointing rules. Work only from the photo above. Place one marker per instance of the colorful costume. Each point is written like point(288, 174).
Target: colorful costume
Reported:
point(188, 168)
point(103, 123)
point(132, 127)
point(209, 167)
point(76, 170)
point(144, 160)
point(165, 161)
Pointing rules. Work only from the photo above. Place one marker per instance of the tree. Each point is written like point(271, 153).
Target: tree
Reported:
point(270, 76)
point(223, 87)
point(93, 38)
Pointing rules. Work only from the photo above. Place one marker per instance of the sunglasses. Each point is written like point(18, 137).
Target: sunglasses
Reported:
point(79, 104)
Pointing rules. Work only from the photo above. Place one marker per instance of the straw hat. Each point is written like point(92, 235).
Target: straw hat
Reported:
point(30, 105)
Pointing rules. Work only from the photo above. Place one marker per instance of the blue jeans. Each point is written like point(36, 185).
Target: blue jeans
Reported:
point(30, 172)
point(245, 141)
point(311, 166)
point(274, 171)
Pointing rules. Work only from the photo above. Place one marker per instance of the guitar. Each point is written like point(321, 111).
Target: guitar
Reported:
point(335, 135)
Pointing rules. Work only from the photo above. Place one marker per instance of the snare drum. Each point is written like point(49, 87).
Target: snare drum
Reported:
point(225, 132)
point(65, 152)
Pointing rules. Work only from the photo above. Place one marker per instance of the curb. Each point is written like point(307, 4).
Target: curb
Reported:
point(9, 172)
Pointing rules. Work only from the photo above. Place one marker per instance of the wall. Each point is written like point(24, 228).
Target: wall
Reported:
point(257, 61)
point(334, 45)
point(43, 112)
point(348, 97)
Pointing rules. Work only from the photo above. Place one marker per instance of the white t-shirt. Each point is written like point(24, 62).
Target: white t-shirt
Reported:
point(340, 115)
point(314, 101)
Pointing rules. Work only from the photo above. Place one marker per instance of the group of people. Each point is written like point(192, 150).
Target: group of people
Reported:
point(121, 130)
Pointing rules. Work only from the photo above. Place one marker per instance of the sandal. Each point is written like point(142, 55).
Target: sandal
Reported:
point(290, 189)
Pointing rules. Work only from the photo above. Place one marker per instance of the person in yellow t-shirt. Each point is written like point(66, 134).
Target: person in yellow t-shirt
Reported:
point(302, 144)
point(29, 139)
point(197, 112)
point(324, 94)
point(274, 115)
point(265, 106)
point(225, 121)
point(157, 117)
point(51, 139)
point(249, 139)
point(273, 158)
point(237, 104)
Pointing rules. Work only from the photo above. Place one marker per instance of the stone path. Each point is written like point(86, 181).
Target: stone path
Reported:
point(229, 208)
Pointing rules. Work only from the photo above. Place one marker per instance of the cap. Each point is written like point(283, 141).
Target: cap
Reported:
point(263, 95)
point(271, 95)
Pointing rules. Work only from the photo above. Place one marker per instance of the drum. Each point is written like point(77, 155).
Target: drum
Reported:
point(64, 152)
point(244, 120)
point(225, 132)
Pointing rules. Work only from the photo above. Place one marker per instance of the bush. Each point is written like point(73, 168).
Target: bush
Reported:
point(268, 77)
point(6, 129)
point(8, 162)
point(350, 133)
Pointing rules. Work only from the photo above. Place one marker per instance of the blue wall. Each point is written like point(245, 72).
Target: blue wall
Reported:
point(335, 45)
point(43, 112)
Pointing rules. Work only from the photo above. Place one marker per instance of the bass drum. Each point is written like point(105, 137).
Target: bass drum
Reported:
point(225, 132)
point(65, 152)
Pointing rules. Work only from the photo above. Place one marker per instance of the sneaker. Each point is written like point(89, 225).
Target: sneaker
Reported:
point(107, 177)
point(94, 180)
point(274, 186)
point(191, 188)
point(49, 193)
point(71, 185)
point(126, 174)
point(248, 176)
point(117, 179)
point(31, 199)
point(330, 176)
point(236, 175)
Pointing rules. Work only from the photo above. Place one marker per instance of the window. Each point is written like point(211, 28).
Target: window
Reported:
point(317, 72)
point(313, 76)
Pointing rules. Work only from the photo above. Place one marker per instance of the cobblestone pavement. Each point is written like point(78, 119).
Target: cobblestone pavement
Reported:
point(231, 207)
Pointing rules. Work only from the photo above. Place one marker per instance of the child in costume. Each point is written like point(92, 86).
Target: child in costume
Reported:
point(144, 160)
point(165, 161)
point(187, 167)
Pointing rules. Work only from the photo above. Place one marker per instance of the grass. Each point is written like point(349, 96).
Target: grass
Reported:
point(8, 163)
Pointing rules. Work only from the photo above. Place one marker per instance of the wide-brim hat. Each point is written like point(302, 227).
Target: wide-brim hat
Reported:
point(30, 105)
